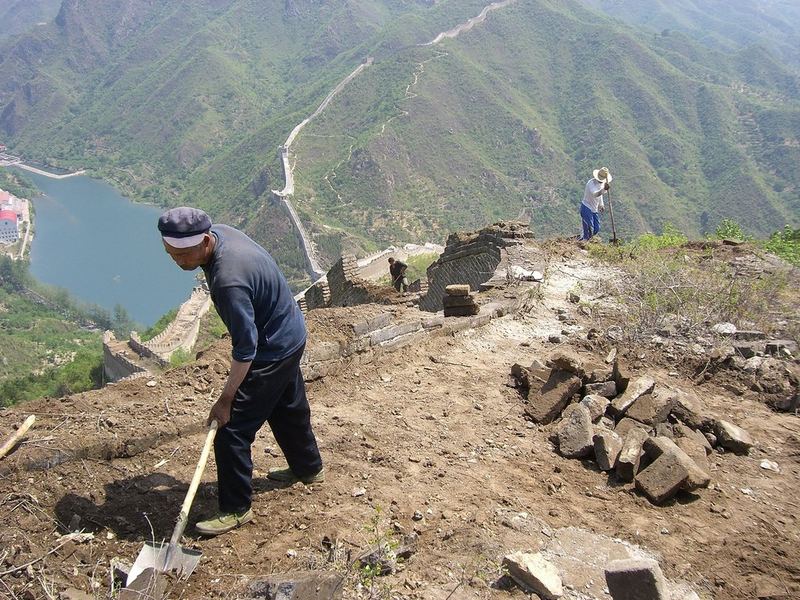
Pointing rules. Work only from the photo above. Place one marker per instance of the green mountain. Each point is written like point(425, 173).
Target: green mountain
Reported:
point(727, 25)
point(506, 120)
point(19, 16)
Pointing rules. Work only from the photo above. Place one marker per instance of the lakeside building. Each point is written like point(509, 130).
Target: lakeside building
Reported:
point(9, 228)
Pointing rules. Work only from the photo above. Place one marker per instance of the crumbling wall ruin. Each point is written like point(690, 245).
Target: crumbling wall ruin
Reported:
point(471, 258)
point(343, 286)
point(116, 365)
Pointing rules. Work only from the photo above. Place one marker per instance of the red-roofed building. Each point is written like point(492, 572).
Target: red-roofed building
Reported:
point(9, 231)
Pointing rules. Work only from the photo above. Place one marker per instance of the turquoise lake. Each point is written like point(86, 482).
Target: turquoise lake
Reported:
point(104, 249)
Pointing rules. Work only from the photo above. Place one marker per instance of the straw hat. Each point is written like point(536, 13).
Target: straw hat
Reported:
point(602, 174)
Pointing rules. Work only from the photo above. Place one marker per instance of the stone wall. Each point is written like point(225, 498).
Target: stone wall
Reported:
point(343, 286)
point(471, 258)
point(368, 337)
point(181, 333)
point(116, 365)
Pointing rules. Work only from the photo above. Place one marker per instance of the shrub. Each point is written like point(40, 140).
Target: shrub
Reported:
point(731, 230)
point(786, 244)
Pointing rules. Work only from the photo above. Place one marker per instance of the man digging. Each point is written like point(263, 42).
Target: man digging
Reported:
point(397, 271)
point(592, 203)
point(265, 384)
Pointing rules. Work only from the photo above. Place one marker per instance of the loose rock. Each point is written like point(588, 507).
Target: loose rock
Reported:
point(628, 460)
point(732, 438)
point(636, 389)
point(635, 579)
point(575, 432)
point(534, 572)
point(607, 446)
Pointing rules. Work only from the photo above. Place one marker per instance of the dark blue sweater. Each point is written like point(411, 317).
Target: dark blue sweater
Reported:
point(253, 298)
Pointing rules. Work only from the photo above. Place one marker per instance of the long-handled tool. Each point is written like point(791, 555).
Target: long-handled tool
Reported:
point(167, 557)
point(611, 212)
point(17, 436)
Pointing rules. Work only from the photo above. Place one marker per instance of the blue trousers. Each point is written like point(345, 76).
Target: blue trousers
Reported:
point(272, 392)
point(590, 221)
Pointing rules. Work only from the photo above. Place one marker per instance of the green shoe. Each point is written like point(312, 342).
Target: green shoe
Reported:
point(288, 476)
point(224, 522)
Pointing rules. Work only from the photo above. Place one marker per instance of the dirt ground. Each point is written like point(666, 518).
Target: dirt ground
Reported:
point(426, 447)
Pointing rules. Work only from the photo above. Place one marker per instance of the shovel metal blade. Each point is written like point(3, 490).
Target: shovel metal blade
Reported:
point(164, 557)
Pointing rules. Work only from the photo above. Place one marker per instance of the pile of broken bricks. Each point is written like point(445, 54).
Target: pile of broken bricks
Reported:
point(459, 301)
point(627, 579)
point(645, 432)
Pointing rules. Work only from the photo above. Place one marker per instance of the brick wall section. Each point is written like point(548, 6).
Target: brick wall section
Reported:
point(182, 332)
point(116, 365)
point(317, 296)
point(346, 287)
point(383, 333)
point(470, 258)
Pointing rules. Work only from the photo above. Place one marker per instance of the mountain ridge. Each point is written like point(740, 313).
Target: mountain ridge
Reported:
point(198, 119)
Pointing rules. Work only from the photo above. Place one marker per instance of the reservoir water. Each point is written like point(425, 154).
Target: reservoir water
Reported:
point(104, 249)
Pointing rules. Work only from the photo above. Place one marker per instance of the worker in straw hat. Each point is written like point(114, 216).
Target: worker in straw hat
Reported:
point(592, 203)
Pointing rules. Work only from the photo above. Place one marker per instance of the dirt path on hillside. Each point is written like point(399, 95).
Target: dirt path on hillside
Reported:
point(427, 446)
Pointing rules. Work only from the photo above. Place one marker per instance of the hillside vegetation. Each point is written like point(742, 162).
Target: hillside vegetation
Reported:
point(506, 120)
point(19, 16)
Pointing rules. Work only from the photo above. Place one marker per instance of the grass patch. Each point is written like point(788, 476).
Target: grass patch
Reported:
point(667, 284)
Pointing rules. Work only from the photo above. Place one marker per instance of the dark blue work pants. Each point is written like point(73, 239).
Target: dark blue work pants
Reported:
point(276, 393)
point(590, 221)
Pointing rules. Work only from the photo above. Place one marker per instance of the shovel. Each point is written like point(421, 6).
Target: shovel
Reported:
point(611, 212)
point(168, 557)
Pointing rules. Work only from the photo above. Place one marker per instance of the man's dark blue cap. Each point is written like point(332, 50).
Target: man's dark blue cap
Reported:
point(183, 227)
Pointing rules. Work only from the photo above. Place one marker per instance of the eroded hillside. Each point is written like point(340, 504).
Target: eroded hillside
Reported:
point(435, 453)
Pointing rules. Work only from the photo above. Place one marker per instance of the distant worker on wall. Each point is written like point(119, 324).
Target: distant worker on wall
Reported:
point(264, 384)
point(397, 271)
point(592, 203)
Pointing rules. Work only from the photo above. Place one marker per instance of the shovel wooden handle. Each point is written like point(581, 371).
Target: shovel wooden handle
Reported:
point(14, 438)
point(183, 518)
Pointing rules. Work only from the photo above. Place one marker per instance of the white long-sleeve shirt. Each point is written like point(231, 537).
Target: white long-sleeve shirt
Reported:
point(593, 196)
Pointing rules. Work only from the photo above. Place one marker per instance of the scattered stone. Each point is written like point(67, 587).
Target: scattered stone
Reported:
point(607, 445)
point(545, 405)
point(697, 452)
point(662, 479)
point(635, 389)
point(533, 572)
point(665, 430)
point(626, 424)
point(749, 336)
point(770, 466)
point(457, 289)
point(554, 339)
point(607, 389)
point(690, 410)
point(152, 383)
point(658, 447)
point(300, 585)
point(574, 432)
point(629, 456)
point(653, 408)
point(458, 301)
point(781, 347)
point(358, 492)
point(682, 431)
point(749, 349)
point(574, 298)
point(635, 579)
point(724, 328)
point(732, 438)
point(596, 404)
point(711, 439)
point(722, 354)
